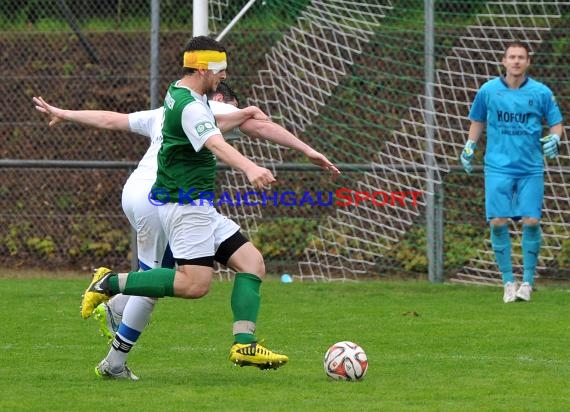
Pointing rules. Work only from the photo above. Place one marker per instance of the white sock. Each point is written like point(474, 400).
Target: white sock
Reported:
point(117, 303)
point(135, 318)
point(137, 312)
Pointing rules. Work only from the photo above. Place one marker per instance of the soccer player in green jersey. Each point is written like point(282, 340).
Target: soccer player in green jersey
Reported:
point(198, 235)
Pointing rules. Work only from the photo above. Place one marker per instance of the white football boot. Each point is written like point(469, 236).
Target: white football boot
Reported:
point(524, 292)
point(510, 292)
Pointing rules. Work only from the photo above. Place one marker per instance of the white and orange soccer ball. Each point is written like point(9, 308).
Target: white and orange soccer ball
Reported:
point(346, 361)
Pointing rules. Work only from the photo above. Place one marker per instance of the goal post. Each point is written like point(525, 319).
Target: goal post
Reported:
point(365, 83)
point(200, 18)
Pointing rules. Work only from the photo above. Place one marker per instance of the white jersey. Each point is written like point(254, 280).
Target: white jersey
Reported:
point(224, 108)
point(149, 123)
point(221, 108)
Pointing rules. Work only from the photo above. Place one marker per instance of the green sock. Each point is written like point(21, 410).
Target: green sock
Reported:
point(245, 303)
point(154, 283)
point(113, 284)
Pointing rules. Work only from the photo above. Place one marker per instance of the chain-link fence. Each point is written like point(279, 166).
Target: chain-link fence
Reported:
point(347, 77)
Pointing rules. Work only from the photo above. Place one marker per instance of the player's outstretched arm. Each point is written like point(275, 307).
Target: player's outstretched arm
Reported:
point(259, 177)
point(267, 130)
point(229, 121)
point(94, 118)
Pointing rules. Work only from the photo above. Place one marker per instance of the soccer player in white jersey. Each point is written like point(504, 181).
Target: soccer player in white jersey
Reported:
point(114, 365)
point(513, 108)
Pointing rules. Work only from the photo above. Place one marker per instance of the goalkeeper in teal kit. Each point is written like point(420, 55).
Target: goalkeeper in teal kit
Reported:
point(513, 108)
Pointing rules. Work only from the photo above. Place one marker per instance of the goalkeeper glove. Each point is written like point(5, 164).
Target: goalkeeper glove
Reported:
point(467, 155)
point(550, 145)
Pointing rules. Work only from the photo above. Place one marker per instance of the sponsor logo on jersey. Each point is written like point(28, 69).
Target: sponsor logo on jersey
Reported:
point(204, 127)
point(510, 117)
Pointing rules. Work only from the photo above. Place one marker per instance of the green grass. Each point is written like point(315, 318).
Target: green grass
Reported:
point(430, 348)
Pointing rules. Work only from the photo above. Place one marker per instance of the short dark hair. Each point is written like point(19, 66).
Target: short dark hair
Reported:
point(517, 43)
point(201, 43)
point(226, 91)
point(204, 43)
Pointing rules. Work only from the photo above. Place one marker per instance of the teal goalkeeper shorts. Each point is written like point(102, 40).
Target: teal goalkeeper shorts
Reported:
point(513, 197)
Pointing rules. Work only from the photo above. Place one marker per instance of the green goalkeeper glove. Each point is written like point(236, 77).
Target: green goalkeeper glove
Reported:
point(550, 145)
point(467, 155)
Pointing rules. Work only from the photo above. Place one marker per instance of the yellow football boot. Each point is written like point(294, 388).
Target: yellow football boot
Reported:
point(95, 293)
point(254, 354)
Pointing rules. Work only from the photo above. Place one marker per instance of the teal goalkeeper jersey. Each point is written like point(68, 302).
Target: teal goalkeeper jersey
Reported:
point(185, 166)
point(514, 120)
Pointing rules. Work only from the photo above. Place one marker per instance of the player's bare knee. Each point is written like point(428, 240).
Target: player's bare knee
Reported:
point(192, 288)
point(192, 282)
point(260, 269)
point(498, 221)
point(248, 259)
point(530, 221)
point(253, 266)
point(194, 293)
point(256, 265)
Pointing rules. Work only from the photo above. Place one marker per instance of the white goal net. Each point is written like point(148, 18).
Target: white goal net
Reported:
point(339, 50)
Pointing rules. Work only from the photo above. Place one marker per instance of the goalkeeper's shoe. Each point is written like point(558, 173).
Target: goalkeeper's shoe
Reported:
point(103, 370)
point(524, 292)
point(97, 292)
point(510, 291)
point(108, 320)
point(254, 354)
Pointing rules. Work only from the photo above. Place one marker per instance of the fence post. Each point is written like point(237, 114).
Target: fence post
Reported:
point(154, 53)
point(434, 223)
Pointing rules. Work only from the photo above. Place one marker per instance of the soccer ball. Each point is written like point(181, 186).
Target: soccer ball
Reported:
point(346, 361)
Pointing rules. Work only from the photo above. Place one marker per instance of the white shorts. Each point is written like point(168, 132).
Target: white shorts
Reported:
point(143, 217)
point(195, 231)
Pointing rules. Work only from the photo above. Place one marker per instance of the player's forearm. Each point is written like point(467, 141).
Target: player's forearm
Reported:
point(228, 154)
point(101, 119)
point(475, 131)
point(229, 121)
point(557, 129)
point(267, 130)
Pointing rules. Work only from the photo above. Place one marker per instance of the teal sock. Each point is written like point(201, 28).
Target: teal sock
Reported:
point(245, 304)
point(501, 243)
point(531, 239)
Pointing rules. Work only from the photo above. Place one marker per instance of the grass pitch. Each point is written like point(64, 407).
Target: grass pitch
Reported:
point(430, 347)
